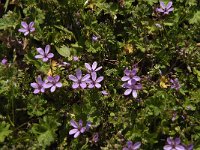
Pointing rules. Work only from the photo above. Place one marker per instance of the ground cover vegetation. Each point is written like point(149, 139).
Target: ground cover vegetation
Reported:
point(100, 74)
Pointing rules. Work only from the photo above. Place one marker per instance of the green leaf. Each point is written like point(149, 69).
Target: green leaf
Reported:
point(63, 51)
point(45, 130)
point(9, 20)
point(195, 19)
point(4, 130)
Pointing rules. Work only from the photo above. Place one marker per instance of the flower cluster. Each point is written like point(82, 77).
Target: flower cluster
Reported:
point(78, 128)
point(132, 82)
point(175, 144)
point(131, 146)
point(89, 80)
point(165, 9)
point(51, 82)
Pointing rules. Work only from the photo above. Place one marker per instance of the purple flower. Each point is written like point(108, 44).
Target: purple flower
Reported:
point(54, 82)
point(130, 74)
point(92, 68)
point(4, 61)
point(78, 128)
point(104, 92)
point(132, 87)
point(44, 55)
point(88, 125)
point(165, 9)
point(175, 84)
point(131, 146)
point(95, 137)
point(79, 81)
point(38, 85)
point(94, 38)
point(95, 82)
point(27, 28)
point(75, 58)
point(173, 144)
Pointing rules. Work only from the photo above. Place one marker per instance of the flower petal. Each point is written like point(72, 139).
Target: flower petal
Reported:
point(31, 24)
point(77, 134)
point(170, 141)
point(53, 88)
point(83, 129)
point(171, 9)
point(91, 86)
point(22, 30)
point(47, 85)
point(73, 78)
point(177, 141)
point(88, 67)
point(45, 59)
point(180, 147)
point(24, 24)
point(57, 78)
point(59, 84)
point(128, 91)
point(50, 78)
point(94, 76)
point(50, 55)
point(39, 56)
point(94, 65)
point(75, 85)
point(134, 93)
point(47, 49)
point(162, 5)
point(99, 68)
point(83, 85)
point(40, 50)
point(136, 145)
point(125, 78)
point(167, 147)
point(97, 85)
point(86, 77)
point(159, 10)
point(26, 33)
point(36, 91)
point(73, 131)
point(99, 79)
point(32, 29)
point(79, 74)
point(74, 124)
point(34, 85)
point(169, 5)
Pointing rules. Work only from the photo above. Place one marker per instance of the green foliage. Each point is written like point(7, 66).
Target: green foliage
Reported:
point(45, 131)
point(117, 34)
point(4, 130)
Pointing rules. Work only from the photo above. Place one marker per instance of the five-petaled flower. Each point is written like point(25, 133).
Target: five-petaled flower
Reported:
point(132, 87)
point(173, 144)
point(39, 85)
point(175, 84)
point(131, 146)
point(95, 82)
point(78, 128)
point(27, 28)
point(165, 9)
point(79, 81)
point(92, 68)
point(129, 75)
point(44, 55)
point(53, 82)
